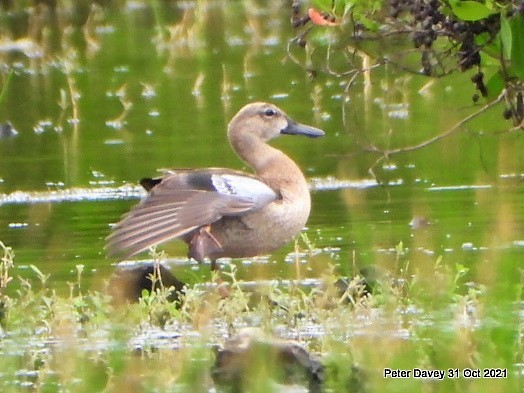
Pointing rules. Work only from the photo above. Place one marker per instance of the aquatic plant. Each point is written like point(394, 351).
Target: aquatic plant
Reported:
point(414, 319)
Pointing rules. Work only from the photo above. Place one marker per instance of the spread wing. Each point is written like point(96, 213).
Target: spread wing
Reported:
point(183, 201)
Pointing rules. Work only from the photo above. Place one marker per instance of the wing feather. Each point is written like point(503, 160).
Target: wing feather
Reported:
point(172, 209)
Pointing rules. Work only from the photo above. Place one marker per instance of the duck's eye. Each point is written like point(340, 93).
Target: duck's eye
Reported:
point(270, 112)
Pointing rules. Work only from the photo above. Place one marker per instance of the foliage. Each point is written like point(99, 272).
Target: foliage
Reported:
point(487, 35)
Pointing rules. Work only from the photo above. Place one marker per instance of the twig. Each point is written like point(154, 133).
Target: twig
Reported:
point(445, 134)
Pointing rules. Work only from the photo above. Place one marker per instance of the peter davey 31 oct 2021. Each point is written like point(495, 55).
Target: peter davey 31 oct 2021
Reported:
point(468, 373)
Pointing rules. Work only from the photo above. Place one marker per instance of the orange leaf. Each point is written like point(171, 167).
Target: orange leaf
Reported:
point(321, 18)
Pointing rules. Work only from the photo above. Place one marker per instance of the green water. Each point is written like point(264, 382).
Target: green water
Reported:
point(120, 93)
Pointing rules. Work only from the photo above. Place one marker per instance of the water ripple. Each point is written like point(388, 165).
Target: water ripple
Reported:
point(75, 194)
point(128, 191)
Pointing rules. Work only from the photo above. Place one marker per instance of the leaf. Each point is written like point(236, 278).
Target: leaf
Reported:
point(323, 5)
point(495, 84)
point(517, 46)
point(321, 19)
point(336, 7)
point(369, 24)
point(489, 46)
point(505, 37)
point(470, 10)
point(339, 7)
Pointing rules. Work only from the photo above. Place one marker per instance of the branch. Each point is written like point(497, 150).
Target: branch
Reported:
point(445, 134)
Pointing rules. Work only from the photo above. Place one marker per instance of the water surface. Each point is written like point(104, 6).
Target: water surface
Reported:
point(118, 95)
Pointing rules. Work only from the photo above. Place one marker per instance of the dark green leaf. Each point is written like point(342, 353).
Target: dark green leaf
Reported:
point(505, 37)
point(470, 10)
point(517, 46)
point(495, 84)
point(489, 46)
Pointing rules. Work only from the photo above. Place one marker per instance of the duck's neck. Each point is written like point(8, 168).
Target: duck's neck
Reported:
point(270, 164)
point(254, 152)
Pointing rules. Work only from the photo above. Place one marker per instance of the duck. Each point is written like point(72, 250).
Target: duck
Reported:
point(221, 212)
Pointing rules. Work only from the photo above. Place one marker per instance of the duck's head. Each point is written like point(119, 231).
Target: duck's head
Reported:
point(265, 121)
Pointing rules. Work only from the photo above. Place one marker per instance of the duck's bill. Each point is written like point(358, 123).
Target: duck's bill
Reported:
point(294, 128)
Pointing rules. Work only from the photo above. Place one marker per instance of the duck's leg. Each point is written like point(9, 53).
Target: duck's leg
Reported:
point(202, 244)
point(214, 266)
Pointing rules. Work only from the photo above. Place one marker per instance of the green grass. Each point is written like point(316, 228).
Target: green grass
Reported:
point(432, 320)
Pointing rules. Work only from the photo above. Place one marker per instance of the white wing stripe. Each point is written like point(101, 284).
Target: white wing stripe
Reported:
point(244, 187)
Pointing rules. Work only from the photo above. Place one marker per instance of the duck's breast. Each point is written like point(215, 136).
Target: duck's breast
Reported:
point(268, 228)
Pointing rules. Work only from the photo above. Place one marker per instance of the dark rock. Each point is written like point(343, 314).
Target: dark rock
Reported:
point(127, 283)
point(285, 361)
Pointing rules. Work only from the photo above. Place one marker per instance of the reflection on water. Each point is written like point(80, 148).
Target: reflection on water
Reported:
point(117, 95)
point(62, 228)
